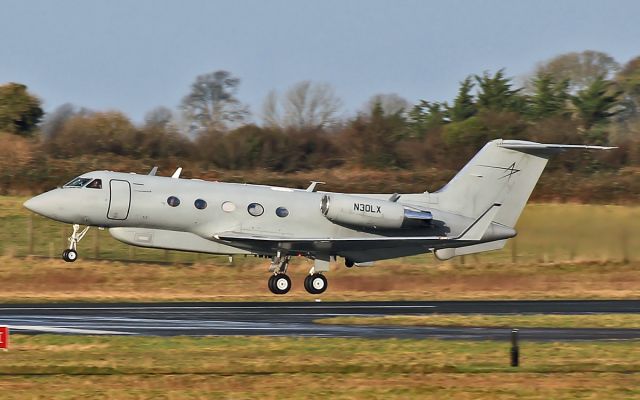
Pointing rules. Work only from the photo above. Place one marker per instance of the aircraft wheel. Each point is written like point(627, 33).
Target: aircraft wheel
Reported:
point(279, 284)
point(315, 284)
point(69, 255)
point(348, 263)
point(270, 284)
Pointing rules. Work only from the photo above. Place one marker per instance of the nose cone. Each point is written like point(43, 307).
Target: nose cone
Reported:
point(38, 205)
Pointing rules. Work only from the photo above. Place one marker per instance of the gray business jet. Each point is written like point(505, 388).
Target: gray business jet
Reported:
point(475, 212)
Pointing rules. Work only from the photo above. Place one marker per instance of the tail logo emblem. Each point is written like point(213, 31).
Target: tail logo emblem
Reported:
point(508, 171)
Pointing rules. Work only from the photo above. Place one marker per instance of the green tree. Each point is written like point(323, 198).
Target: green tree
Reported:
point(20, 111)
point(371, 139)
point(496, 93)
point(597, 102)
point(425, 116)
point(464, 105)
point(550, 97)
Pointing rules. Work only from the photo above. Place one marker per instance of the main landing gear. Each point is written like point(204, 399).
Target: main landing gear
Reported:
point(71, 254)
point(280, 283)
point(315, 283)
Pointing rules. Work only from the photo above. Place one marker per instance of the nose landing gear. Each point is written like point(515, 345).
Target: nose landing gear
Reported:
point(71, 254)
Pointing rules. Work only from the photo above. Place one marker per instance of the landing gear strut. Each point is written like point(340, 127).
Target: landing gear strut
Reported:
point(71, 254)
point(279, 282)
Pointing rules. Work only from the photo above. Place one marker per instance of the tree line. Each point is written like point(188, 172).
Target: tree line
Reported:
point(585, 97)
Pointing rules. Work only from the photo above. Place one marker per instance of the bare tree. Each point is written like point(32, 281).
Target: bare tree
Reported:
point(305, 105)
point(271, 110)
point(212, 103)
point(160, 116)
point(391, 103)
point(580, 69)
point(54, 121)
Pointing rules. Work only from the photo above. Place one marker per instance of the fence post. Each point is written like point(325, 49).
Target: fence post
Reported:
point(515, 348)
point(624, 242)
point(30, 234)
point(96, 243)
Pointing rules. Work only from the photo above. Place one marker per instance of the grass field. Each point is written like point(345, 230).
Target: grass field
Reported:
point(618, 321)
point(546, 233)
point(72, 367)
point(34, 280)
point(562, 251)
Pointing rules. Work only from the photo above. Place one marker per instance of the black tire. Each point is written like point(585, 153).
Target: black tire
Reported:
point(348, 263)
point(316, 283)
point(71, 255)
point(307, 282)
point(64, 255)
point(271, 286)
point(281, 284)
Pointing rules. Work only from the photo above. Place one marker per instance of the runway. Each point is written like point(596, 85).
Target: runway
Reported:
point(296, 319)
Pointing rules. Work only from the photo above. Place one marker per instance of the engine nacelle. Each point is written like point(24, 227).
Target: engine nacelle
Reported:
point(369, 213)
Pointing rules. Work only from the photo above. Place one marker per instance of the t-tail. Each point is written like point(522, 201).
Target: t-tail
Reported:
point(503, 172)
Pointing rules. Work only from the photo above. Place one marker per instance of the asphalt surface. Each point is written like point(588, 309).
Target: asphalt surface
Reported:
point(296, 319)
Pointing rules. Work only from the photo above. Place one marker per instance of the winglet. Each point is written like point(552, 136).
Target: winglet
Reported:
point(477, 229)
point(176, 174)
point(153, 171)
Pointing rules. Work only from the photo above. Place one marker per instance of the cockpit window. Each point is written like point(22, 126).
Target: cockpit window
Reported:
point(95, 184)
point(77, 182)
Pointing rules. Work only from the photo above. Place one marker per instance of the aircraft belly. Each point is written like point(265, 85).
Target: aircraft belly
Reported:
point(383, 253)
point(172, 240)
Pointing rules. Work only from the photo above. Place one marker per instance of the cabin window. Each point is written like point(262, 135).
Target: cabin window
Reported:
point(282, 212)
point(200, 204)
point(173, 201)
point(228, 206)
point(95, 184)
point(77, 182)
point(255, 209)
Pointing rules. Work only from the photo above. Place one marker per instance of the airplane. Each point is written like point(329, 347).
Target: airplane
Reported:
point(474, 212)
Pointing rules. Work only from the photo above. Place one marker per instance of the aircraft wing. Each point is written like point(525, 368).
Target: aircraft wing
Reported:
point(325, 245)
point(268, 243)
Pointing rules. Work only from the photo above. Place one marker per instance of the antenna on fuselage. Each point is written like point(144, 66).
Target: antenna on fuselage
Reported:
point(176, 174)
point(153, 171)
point(312, 186)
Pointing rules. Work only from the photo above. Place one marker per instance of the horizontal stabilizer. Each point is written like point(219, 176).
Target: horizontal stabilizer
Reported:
point(546, 148)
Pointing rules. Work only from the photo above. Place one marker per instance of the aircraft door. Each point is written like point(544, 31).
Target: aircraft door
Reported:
point(120, 200)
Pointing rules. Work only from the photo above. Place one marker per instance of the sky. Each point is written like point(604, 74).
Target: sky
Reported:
point(134, 56)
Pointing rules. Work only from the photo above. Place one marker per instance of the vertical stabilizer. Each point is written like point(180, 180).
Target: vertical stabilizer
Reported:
point(504, 172)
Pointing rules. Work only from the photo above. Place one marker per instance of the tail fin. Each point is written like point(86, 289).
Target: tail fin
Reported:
point(504, 172)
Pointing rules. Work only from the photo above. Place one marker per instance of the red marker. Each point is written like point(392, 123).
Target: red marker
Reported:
point(4, 337)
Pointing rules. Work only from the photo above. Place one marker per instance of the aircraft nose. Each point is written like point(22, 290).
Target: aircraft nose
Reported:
point(37, 204)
